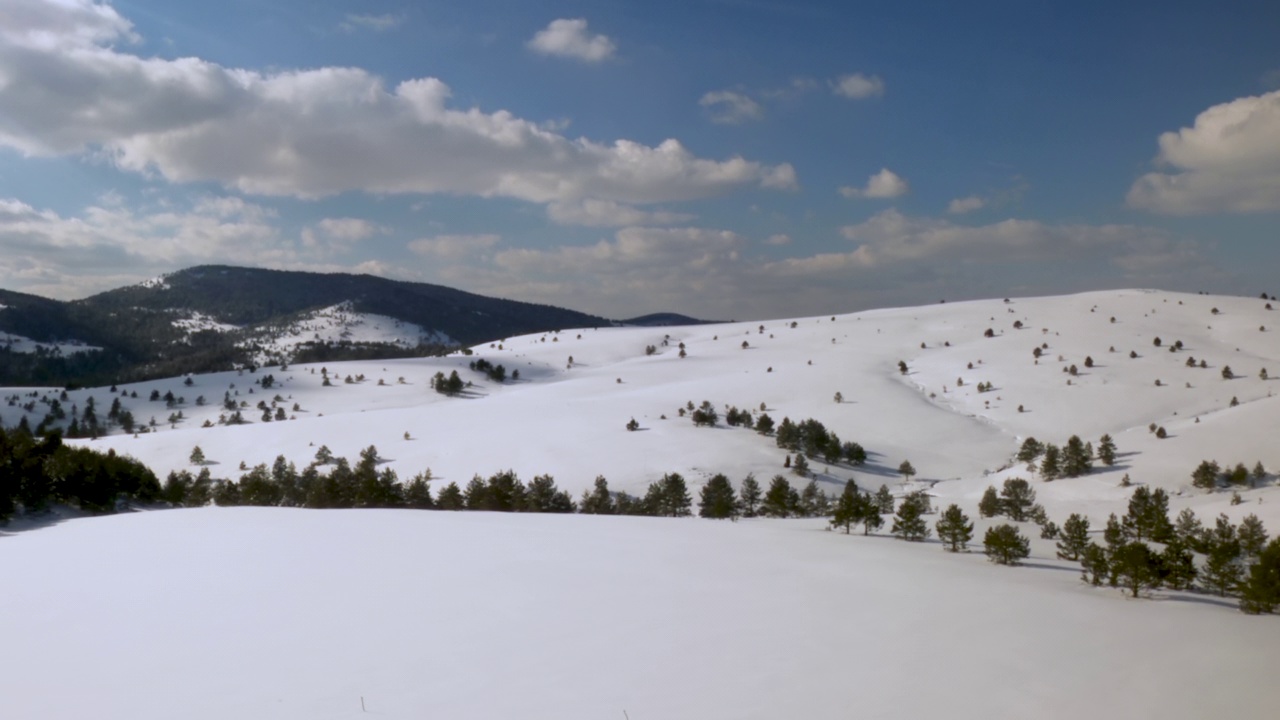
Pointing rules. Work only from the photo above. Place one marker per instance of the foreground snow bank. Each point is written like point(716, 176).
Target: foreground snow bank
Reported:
point(275, 613)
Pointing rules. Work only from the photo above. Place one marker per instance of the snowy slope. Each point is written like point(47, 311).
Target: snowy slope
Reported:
point(567, 420)
point(272, 613)
point(20, 344)
point(336, 324)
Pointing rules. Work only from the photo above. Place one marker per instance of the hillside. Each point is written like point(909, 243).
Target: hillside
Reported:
point(306, 612)
point(215, 318)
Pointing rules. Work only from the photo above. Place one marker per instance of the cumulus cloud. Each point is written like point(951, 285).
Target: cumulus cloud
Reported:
point(605, 213)
point(374, 23)
point(1227, 162)
point(858, 86)
point(778, 240)
point(963, 205)
point(727, 107)
point(308, 133)
point(884, 185)
point(570, 38)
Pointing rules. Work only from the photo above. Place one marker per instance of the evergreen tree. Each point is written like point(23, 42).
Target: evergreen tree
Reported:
point(543, 496)
point(674, 496)
point(1222, 570)
point(749, 495)
point(1030, 450)
point(1093, 564)
point(869, 513)
point(811, 500)
point(1260, 591)
point(848, 507)
point(1004, 545)
point(1252, 536)
point(884, 500)
point(787, 436)
point(764, 424)
point(451, 498)
point(853, 453)
point(1050, 465)
point(781, 500)
point(1176, 565)
point(598, 500)
point(717, 499)
point(954, 528)
point(1107, 451)
point(324, 456)
point(197, 456)
point(1075, 537)
point(417, 492)
point(1076, 461)
point(1135, 567)
point(909, 523)
point(1205, 475)
point(1016, 499)
point(1188, 530)
point(1148, 516)
point(800, 466)
point(989, 505)
point(906, 470)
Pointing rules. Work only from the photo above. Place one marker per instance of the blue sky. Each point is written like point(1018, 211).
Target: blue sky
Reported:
point(724, 158)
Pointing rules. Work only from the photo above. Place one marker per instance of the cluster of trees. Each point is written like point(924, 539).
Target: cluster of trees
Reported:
point(1144, 550)
point(451, 385)
point(812, 439)
point(36, 473)
point(496, 373)
point(1071, 460)
point(1210, 476)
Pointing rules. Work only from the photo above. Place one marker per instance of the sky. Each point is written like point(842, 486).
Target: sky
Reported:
point(720, 158)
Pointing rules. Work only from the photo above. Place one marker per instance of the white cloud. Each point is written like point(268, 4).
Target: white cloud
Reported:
point(731, 108)
point(374, 23)
point(454, 247)
point(963, 205)
point(1228, 162)
point(309, 133)
point(858, 86)
point(778, 240)
point(348, 228)
point(885, 184)
point(569, 38)
point(605, 213)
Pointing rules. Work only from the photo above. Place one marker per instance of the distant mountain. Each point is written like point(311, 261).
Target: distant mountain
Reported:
point(665, 320)
point(215, 317)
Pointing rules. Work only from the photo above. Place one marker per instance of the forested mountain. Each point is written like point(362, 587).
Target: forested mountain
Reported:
point(215, 317)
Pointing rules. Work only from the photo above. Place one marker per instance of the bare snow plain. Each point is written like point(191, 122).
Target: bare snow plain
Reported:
point(248, 613)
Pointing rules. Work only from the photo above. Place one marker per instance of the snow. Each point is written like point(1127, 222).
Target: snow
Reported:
point(336, 324)
point(20, 344)
point(275, 613)
point(194, 322)
point(239, 612)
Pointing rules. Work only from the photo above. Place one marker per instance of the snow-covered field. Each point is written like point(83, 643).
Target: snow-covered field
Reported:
point(337, 324)
point(232, 612)
point(20, 344)
point(274, 613)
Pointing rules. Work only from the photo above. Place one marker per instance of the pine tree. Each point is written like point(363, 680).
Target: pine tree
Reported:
point(1075, 537)
point(1252, 536)
point(1222, 570)
point(1205, 475)
point(676, 501)
point(909, 523)
point(906, 470)
point(324, 456)
point(800, 466)
point(197, 456)
point(1016, 499)
point(1107, 450)
point(1050, 465)
point(598, 500)
point(717, 500)
point(781, 500)
point(869, 513)
point(417, 492)
point(1148, 516)
point(1076, 461)
point(1260, 591)
point(1188, 530)
point(954, 528)
point(1030, 450)
point(989, 505)
point(884, 500)
point(543, 496)
point(847, 508)
point(1093, 564)
point(1176, 565)
point(1004, 545)
point(811, 500)
point(749, 495)
point(1135, 567)
point(450, 498)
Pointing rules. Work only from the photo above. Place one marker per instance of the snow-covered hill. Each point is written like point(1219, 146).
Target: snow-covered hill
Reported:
point(278, 342)
point(287, 613)
point(254, 613)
